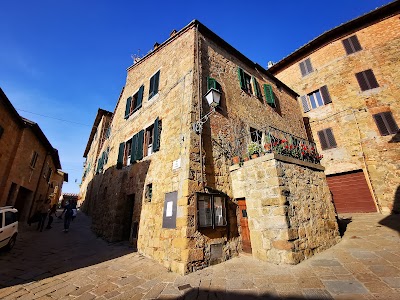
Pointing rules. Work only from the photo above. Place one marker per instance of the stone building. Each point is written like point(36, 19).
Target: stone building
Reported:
point(159, 172)
point(29, 166)
point(348, 81)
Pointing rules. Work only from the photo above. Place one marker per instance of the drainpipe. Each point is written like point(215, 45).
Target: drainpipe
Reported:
point(37, 185)
point(200, 105)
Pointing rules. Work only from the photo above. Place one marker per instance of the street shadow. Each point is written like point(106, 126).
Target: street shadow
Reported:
point(199, 293)
point(39, 255)
point(343, 222)
point(393, 220)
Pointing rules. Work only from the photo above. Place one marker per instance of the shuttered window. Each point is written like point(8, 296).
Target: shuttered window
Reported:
point(327, 139)
point(134, 102)
point(154, 80)
point(306, 67)
point(366, 79)
point(120, 155)
point(245, 81)
point(34, 159)
point(316, 99)
point(256, 88)
point(157, 134)
point(269, 95)
point(386, 123)
point(351, 44)
point(213, 84)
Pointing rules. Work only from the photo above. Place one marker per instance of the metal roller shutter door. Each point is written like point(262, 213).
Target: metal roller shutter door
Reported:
point(351, 193)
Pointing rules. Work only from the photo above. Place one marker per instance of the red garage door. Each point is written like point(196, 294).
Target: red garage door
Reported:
point(351, 193)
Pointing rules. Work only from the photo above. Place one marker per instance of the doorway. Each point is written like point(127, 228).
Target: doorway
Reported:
point(23, 197)
point(244, 224)
point(130, 203)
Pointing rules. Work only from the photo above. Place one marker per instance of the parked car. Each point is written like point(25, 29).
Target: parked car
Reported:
point(8, 226)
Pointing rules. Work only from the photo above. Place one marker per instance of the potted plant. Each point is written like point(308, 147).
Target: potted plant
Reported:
point(254, 149)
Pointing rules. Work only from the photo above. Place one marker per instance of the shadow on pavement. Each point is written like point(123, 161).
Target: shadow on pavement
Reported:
point(38, 255)
point(244, 295)
point(393, 220)
point(343, 222)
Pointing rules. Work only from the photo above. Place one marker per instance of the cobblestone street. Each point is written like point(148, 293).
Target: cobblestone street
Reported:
point(78, 265)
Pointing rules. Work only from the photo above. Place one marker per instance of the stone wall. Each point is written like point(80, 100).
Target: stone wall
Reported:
point(350, 115)
point(289, 206)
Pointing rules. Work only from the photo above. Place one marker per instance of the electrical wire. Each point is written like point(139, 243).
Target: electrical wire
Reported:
point(53, 117)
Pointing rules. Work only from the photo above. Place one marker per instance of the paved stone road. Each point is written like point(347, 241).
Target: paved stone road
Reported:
point(78, 265)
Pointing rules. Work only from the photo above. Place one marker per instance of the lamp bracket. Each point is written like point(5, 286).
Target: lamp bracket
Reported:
point(198, 126)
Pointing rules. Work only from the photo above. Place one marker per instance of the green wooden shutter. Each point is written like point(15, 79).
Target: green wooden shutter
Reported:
point(120, 155)
point(156, 81)
point(140, 139)
point(211, 83)
point(128, 107)
point(241, 79)
point(269, 95)
point(139, 97)
point(256, 87)
point(156, 136)
point(134, 149)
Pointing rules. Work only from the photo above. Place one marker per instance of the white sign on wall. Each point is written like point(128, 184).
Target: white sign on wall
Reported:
point(176, 164)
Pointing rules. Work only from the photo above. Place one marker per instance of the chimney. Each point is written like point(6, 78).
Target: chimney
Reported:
point(156, 45)
point(173, 32)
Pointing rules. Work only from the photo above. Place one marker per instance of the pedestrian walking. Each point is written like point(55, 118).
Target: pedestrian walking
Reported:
point(52, 211)
point(67, 215)
point(43, 214)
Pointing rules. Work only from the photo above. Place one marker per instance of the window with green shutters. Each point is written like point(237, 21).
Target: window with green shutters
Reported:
point(134, 102)
point(245, 81)
point(269, 95)
point(213, 84)
point(256, 86)
point(120, 159)
point(154, 81)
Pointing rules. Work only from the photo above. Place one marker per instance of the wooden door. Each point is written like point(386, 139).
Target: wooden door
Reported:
point(246, 243)
point(351, 193)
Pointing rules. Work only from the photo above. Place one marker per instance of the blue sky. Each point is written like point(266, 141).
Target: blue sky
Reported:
point(62, 60)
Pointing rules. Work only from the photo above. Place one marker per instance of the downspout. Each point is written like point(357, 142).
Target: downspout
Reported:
point(200, 105)
point(37, 185)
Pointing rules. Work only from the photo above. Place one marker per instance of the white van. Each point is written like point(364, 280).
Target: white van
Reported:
point(8, 226)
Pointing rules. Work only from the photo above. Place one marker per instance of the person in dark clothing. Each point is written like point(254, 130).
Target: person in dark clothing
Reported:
point(52, 212)
point(67, 216)
point(43, 215)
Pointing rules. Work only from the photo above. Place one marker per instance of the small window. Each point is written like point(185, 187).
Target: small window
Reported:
point(1, 219)
point(269, 95)
point(255, 135)
point(351, 44)
point(211, 210)
point(213, 84)
point(326, 139)
point(127, 153)
point(154, 81)
point(306, 67)
point(386, 123)
point(366, 79)
point(148, 195)
point(1, 131)
point(148, 139)
point(245, 81)
point(34, 159)
point(134, 102)
point(316, 99)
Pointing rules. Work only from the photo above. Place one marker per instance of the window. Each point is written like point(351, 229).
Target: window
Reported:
point(351, 44)
point(148, 192)
point(269, 95)
point(327, 139)
point(9, 218)
point(366, 79)
point(134, 103)
point(316, 99)
point(211, 210)
point(1, 131)
point(1, 219)
point(386, 123)
point(255, 135)
point(34, 159)
point(306, 67)
point(139, 145)
point(212, 83)
point(49, 173)
point(154, 80)
point(102, 161)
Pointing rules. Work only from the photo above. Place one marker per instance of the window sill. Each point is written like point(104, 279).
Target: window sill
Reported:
point(154, 97)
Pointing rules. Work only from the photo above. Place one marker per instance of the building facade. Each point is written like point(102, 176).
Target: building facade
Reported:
point(348, 81)
point(162, 178)
point(29, 165)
